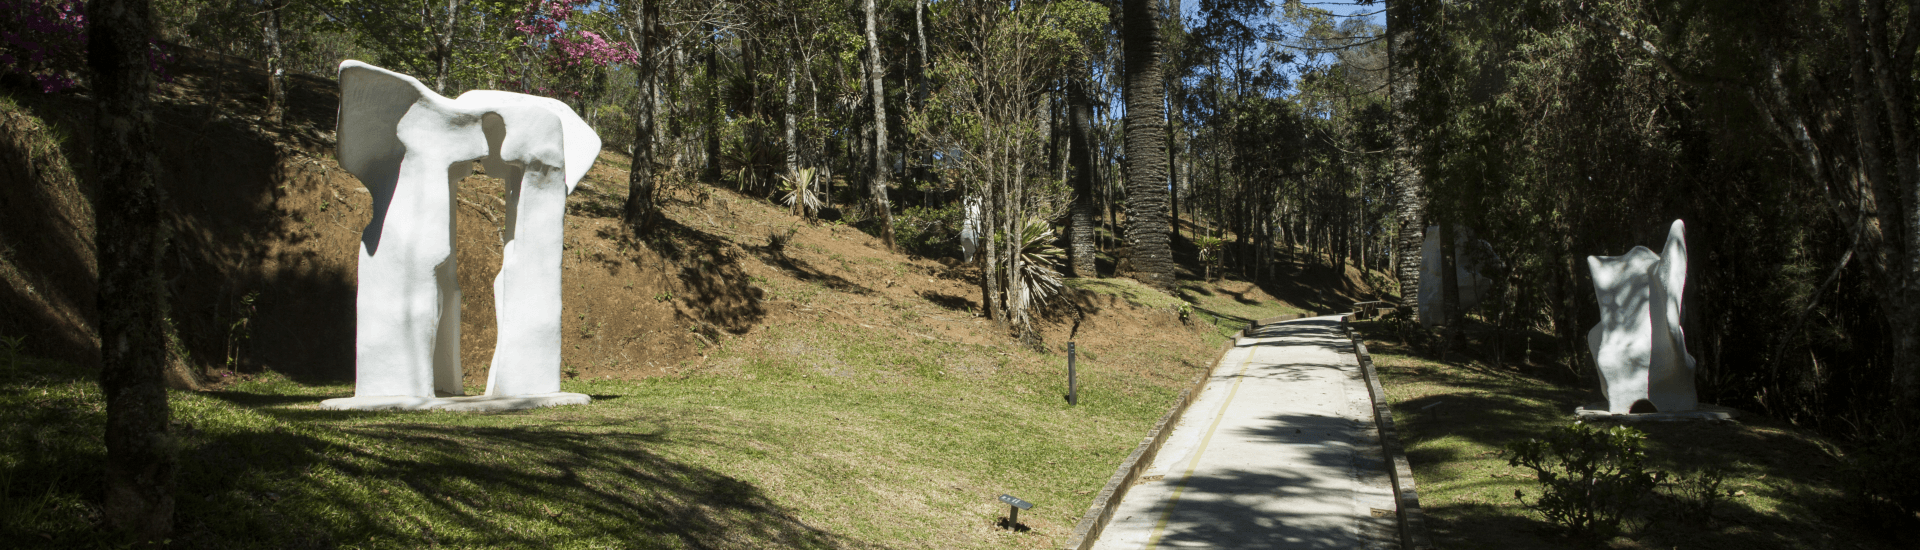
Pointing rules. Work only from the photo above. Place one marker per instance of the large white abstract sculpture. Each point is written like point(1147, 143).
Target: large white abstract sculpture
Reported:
point(410, 147)
point(1474, 257)
point(1639, 346)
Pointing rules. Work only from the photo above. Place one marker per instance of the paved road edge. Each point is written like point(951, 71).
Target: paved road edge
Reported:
point(1413, 522)
point(1096, 518)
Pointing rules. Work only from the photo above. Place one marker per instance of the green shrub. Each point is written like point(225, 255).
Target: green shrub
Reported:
point(928, 232)
point(1591, 479)
point(1692, 495)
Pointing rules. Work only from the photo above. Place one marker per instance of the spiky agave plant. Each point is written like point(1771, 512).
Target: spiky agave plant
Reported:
point(800, 196)
point(1210, 253)
point(1037, 277)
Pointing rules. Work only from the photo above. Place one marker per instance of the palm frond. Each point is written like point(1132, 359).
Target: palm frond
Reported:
point(799, 191)
point(1037, 276)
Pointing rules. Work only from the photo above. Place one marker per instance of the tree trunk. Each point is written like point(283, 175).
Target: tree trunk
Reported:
point(1410, 213)
point(1080, 155)
point(130, 240)
point(1877, 93)
point(876, 78)
point(791, 118)
point(993, 205)
point(925, 171)
point(276, 61)
point(1147, 230)
point(1056, 135)
point(713, 105)
point(640, 212)
point(443, 48)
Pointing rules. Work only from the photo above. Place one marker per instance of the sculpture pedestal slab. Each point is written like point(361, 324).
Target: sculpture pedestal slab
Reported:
point(471, 403)
point(1599, 412)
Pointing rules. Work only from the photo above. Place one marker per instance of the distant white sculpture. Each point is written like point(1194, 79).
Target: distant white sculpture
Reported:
point(1639, 347)
point(970, 229)
point(1473, 257)
point(410, 147)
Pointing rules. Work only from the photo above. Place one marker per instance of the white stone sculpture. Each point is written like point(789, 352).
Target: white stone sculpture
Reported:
point(1639, 346)
point(1473, 257)
point(410, 147)
point(970, 229)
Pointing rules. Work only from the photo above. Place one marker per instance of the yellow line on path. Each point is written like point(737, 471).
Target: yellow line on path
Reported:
point(1160, 527)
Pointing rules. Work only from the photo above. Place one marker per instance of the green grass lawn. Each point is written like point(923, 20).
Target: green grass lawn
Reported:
point(1454, 417)
point(819, 436)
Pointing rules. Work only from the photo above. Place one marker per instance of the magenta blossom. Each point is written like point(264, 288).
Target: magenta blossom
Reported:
point(47, 41)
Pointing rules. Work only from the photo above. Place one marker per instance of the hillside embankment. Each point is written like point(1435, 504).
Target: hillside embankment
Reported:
point(784, 383)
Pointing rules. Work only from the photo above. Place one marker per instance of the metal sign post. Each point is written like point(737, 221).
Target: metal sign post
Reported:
point(1073, 379)
point(1013, 514)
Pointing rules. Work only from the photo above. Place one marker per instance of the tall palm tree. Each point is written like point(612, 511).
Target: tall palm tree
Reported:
point(1411, 196)
point(1080, 155)
point(1147, 226)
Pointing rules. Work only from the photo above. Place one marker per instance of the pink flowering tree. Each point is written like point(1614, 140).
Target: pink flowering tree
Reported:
point(46, 41)
point(574, 57)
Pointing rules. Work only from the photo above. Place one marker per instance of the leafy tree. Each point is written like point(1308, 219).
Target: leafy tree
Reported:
point(984, 116)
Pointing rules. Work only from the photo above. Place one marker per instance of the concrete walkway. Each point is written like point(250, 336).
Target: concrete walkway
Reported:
point(1279, 451)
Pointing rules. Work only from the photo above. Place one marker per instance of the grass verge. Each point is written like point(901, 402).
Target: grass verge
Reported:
point(816, 436)
point(1782, 488)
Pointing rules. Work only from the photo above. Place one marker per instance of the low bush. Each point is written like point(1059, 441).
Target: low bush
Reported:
point(929, 232)
point(1591, 479)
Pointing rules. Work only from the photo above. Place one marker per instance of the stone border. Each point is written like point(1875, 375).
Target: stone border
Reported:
point(1413, 522)
point(1097, 516)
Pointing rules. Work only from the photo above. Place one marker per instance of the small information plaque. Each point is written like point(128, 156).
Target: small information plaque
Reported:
point(1013, 514)
point(1016, 502)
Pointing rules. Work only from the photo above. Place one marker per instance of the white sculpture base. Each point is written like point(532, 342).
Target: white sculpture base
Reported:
point(471, 403)
point(1702, 411)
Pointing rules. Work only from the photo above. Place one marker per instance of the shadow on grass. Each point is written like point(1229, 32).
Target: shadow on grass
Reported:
point(806, 272)
point(301, 478)
point(1455, 416)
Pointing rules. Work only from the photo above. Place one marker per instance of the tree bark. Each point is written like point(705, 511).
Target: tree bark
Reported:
point(1147, 230)
point(1410, 212)
point(925, 171)
point(130, 239)
point(876, 78)
point(640, 212)
point(713, 105)
point(276, 61)
point(1080, 155)
point(1879, 92)
point(791, 118)
point(443, 48)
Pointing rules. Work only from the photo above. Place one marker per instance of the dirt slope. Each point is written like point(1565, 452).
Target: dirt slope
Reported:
point(265, 236)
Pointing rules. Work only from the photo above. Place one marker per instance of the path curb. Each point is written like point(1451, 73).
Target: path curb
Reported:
point(1097, 516)
point(1413, 522)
